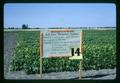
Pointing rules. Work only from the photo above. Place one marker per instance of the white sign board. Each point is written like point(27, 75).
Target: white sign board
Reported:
point(61, 42)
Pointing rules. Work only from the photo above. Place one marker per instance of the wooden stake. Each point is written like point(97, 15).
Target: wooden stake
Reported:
point(81, 42)
point(41, 53)
point(80, 67)
point(80, 71)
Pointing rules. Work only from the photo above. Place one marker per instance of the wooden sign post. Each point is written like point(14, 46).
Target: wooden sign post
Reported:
point(80, 69)
point(41, 53)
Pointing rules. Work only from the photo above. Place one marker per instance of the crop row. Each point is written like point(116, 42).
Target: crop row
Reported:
point(99, 48)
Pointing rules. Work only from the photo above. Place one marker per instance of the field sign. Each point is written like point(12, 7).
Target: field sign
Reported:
point(61, 43)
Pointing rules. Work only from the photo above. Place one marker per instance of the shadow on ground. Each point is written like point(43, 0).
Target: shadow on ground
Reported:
point(95, 76)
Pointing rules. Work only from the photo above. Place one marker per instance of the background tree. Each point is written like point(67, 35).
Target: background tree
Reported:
point(25, 26)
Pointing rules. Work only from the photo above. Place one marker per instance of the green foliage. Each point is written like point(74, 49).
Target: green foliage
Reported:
point(99, 48)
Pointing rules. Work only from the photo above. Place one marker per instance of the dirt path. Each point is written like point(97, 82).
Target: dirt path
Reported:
point(9, 45)
point(104, 74)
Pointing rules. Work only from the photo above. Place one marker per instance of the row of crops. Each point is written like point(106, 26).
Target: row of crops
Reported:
point(99, 51)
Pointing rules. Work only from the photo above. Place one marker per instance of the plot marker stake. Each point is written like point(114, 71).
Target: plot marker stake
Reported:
point(80, 67)
point(41, 53)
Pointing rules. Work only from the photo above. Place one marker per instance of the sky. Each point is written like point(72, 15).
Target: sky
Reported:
point(45, 15)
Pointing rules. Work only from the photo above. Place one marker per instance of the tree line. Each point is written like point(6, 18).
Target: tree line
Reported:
point(24, 26)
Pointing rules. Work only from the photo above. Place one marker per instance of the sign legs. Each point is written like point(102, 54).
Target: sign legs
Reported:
point(41, 67)
point(41, 53)
point(80, 70)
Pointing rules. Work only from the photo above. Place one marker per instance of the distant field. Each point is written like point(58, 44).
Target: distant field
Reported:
point(61, 28)
point(99, 48)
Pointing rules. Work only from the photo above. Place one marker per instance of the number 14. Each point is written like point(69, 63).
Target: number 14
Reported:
point(75, 52)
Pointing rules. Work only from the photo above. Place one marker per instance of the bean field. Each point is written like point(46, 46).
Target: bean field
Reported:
point(99, 52)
